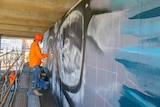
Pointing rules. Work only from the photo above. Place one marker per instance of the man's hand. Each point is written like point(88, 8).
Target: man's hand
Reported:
point(50, 52)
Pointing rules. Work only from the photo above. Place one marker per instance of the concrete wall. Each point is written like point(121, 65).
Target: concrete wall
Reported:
point(106, 54)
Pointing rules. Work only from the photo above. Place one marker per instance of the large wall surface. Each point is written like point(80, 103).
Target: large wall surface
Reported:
point(106, 53)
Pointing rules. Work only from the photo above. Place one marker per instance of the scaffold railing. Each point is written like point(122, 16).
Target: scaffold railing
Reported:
point(11, 67)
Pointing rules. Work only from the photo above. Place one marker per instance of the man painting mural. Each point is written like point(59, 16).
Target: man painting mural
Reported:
point(35, 57)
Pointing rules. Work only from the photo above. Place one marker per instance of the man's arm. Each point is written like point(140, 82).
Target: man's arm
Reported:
point(39, 54)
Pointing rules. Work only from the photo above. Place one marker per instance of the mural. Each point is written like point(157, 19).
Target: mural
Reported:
point(67, 45)
point(106, 54)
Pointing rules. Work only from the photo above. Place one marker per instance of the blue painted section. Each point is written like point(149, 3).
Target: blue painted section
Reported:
point(142, 59)
point(141, 29)
point(117, 3)
point(135, 98)
point(145, 75)
point(143, 19)
point(155, 12)
point(140, 54)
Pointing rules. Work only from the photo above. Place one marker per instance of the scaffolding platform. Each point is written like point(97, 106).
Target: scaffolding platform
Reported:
point(24, 96)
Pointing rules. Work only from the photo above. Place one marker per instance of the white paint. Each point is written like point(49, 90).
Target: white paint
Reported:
point(102, 29)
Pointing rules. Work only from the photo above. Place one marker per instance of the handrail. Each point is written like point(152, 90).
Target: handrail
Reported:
point(12, 99)
point(7, 93)
point(10, 67)
point(9, 87)
point(6, 53)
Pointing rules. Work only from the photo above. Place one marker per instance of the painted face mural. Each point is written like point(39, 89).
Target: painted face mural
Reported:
point(71, 50)
point(113, 60)
point(70, 44)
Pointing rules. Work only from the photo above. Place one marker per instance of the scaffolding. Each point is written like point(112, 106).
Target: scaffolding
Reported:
point(10, 61)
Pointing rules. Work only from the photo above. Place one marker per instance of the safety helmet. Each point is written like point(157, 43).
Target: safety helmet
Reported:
point(38, 37)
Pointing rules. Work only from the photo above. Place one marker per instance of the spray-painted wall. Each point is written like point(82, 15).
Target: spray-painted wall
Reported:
point(107, 54)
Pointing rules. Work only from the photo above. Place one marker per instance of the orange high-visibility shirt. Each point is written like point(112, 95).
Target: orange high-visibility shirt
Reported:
point(12, 77)
point(35, 54)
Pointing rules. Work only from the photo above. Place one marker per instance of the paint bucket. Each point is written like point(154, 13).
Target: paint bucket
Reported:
point(46, 85)
point(41, 84)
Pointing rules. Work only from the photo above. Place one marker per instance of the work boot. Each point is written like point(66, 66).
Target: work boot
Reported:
point(36, 92)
